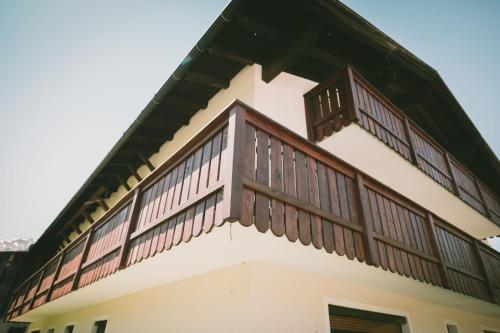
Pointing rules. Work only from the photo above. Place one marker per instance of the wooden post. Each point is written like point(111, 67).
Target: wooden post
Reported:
point(233, 189)
point(409, 138)
point(56, 274)
point(369, 240)
point(134, 215)
point(481, 195)
point(36, 289)
point(454, 181)
point(309, 109)
point(85, 252)
point(353, 115)
point(437, 251)
point(482, 267)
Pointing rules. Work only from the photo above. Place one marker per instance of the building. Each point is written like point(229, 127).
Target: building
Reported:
point(299, 172)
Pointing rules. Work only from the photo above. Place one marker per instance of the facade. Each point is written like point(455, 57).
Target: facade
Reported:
point(299, 172)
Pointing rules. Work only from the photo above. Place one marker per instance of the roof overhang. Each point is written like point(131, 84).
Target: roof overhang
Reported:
point(310, 39)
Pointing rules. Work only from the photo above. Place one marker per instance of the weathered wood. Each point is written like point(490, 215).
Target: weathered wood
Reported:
point(85, 251)
point(369, 241)
point(134, 214)
point(56, 273)
point(484, 272)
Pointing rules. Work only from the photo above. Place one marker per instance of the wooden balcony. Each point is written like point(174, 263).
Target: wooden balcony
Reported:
point(347, 97)
point(245, 167)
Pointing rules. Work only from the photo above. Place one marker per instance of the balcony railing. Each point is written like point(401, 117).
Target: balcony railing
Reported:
point(244, 167)
point(347, 97)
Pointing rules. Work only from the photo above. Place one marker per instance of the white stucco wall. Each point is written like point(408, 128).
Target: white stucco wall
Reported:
point(263, 284)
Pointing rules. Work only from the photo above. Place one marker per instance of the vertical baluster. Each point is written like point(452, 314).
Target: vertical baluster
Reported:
point(56, 274)
point(85, 251)
point(481, 196)
point(135, 208)
point(366, 218)
point(436, 249)
point(409, 139)
point(484, 272)
point(36, 289)
point(454, 180)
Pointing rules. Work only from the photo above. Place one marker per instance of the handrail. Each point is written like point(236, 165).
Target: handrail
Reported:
point(365, 105)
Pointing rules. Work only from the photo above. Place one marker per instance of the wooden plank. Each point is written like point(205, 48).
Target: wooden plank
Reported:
point(313, 189)
point(85, 251)
point(366, 219)
point(484, 273)
point(134, 214)
point(291, 224)
point(302, 195)
point(261, 201)
point(324, 196)
point(56, 274)
point(248, 170)
point(277, 207)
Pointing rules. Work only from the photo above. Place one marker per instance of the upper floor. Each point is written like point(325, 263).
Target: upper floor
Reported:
point(328, 159)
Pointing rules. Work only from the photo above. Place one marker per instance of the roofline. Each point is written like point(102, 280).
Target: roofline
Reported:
point(224, 17)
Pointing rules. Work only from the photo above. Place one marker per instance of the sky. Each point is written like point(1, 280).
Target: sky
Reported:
point(75, 74)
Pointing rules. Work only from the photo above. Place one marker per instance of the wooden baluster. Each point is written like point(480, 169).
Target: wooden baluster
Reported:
point(454, 182)
point(233, 188)
point(352, 115)
point(25, 294)
point(85, 251)
point(56, 274)
point(481, 195)
point(36, 289)
point(370, 245)
point(134, 215)
point(482, 267)
point(436, 249)
point(409, 139)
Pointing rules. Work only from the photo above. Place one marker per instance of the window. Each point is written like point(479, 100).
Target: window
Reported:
point(451, 328)
point(100, 326)
point(347, 320)
point(51, 330)
point(69, 329)
point(16, 329)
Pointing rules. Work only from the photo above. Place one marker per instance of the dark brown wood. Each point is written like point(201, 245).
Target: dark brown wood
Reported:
point(409, 139)
point(366, 220)
point(481, 196)
point(353, 110)
point(56, 273)
point(85, 251)
point(484, 273)
point(437, 251)
point(454, 181)
point(134, 214)
point(146, 161)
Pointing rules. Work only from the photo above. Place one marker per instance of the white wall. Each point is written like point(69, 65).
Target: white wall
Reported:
point(240, 280)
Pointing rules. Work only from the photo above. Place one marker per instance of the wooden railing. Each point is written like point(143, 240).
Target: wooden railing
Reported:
point(244, 167)
point(347, 97)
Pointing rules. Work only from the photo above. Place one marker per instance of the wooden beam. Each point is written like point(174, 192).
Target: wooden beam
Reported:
point(326, 57)
point(230, 54)
point(130, 227)
point(284, 59)
point(146, 161)
point(103, 204)
point(206, 79)
point(186, 102)
point(87, 217)
point(123, 182)
point(133, 171)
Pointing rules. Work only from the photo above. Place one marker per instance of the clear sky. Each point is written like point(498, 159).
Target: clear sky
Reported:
point(75, 74)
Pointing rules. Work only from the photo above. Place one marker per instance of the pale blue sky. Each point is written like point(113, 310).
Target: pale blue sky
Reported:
point(75, 74)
